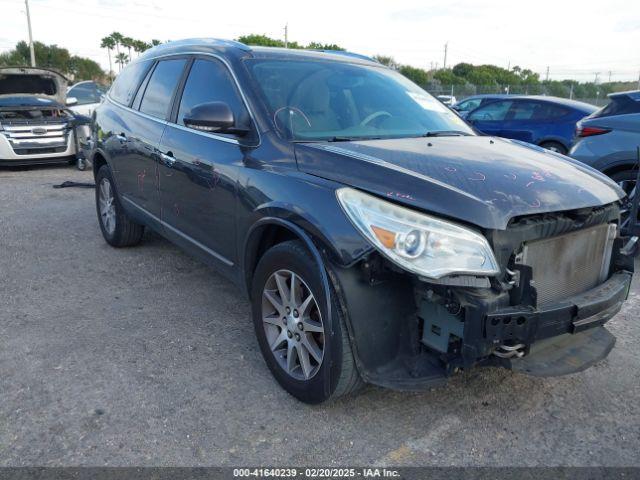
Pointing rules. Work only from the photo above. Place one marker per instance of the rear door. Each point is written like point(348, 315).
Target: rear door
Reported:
point(199, 170)
point(489, 118)
point(138, 175)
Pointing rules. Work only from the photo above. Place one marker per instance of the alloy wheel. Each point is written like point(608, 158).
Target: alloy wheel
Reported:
point(629, 187)
point(293, 324)
point(106, 204)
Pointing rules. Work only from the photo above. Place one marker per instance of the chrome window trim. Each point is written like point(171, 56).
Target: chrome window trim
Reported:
point(182, 127)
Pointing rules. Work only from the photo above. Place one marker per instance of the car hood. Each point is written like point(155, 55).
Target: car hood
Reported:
point(484, 181)
point(21, 82)
point(27, 101)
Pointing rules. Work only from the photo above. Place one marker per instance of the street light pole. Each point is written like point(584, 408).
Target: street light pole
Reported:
point(33, 55)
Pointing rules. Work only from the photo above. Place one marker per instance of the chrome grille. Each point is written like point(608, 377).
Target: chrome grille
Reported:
point(569, 264)
point(32, 137)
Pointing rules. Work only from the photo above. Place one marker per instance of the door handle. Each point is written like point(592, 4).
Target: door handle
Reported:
point(168, 159)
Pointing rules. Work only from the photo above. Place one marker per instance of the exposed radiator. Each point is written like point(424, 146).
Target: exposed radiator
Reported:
point(569, 264)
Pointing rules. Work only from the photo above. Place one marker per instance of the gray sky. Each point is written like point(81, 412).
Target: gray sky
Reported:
point(575, 38)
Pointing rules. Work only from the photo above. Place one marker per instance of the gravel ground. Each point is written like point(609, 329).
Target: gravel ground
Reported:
point(143, 356)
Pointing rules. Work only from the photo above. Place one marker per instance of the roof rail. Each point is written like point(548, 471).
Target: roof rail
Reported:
point(214, 42)
point(348, 54)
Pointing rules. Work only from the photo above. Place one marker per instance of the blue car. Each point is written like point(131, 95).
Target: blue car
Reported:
point(545, 121)
point(469, 104)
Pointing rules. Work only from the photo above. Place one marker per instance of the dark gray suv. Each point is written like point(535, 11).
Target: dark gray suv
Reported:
point(378, 238)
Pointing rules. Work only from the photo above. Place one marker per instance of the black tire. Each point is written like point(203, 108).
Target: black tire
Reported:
point(294, 257)
point(126, 232)
point(555, 146)
point(626, 179)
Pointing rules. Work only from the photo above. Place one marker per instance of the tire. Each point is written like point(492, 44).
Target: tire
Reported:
point(280, 264)
point(119, 230)
point(555, 147)
point(626, 179)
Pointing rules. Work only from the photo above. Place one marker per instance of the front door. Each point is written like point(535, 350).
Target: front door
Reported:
point(198, 170)
point(489, 118)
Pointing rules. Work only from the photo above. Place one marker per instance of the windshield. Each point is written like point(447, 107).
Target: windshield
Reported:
point(324, 100)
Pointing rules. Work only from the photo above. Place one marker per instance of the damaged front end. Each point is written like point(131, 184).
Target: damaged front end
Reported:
point(561, 277)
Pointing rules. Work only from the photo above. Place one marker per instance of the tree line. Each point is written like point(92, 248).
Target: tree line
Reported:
point(463, 78)
point(121, 42)
point(54, 57)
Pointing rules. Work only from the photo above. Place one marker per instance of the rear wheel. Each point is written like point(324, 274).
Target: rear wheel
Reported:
point(293, 327)
point(117, 228)
point(554, 147)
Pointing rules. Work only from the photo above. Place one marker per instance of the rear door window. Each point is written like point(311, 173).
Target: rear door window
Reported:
point(158, 94)
point(523, 111)
point(126, 84)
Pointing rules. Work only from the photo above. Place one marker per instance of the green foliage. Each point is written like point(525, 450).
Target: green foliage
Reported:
point(54, 57)
point(265, 41)
point(388, 61)
point(260, 41)
point(323, 46)
point(416, 75)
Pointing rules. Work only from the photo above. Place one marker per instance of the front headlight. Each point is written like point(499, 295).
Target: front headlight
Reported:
point(417, 242)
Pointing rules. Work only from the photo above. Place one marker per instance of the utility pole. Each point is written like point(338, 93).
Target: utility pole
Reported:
point(33, 54)
point(571, 92)
point(286, 35)
point(595, 80)
point(446, 47)
point(509, 66)
point(639, 81)
point(609, 76)
point(547, 77)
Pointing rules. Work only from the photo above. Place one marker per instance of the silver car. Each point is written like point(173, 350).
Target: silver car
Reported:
point(609, 138)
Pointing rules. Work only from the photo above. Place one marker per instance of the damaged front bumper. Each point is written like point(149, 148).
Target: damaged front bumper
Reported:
point(409, 334)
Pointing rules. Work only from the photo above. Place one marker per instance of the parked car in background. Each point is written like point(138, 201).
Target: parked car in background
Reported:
point(448, 100)
point(378, 238)
point(36, 126)
point(84, 97)
point(549, 122)
point(609, 138)
point(463, 107)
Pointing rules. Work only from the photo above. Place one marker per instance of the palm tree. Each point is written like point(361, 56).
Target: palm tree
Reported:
point(108, 43)
point(127, 42)
point(121, 59)
point(139, 46)
point(155, 42)
point(117, 37)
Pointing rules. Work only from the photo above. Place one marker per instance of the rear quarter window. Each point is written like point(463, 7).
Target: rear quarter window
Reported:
point(126, 84)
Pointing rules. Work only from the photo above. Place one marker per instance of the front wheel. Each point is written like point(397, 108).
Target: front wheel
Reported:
point(294, 329)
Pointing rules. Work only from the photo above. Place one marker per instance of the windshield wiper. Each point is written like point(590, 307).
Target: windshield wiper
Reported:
point(447, 133)
point(350, 139)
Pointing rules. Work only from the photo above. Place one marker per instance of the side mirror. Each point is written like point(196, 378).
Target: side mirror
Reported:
point(213, 117)
point(72, 101)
